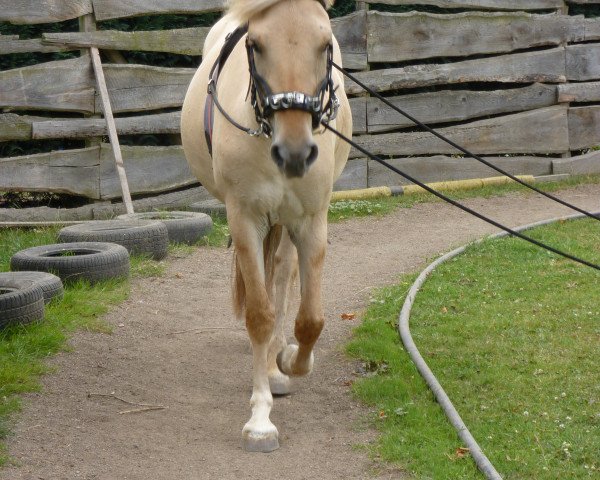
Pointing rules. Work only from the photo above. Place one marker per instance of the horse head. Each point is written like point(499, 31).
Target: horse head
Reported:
point(290, 51)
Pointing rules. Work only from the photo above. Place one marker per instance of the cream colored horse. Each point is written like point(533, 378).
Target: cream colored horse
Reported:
point(276, 190)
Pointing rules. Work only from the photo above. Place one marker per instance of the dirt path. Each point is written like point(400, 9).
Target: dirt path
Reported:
point(204, 378)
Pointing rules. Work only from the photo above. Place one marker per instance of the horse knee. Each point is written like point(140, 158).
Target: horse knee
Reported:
point(260, 323)
point(308, 328)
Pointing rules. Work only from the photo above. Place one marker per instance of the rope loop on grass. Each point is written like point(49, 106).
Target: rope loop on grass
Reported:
point(483, 463)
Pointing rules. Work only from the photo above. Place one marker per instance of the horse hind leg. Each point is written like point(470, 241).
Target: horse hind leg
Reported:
point(285, 270)
point(311, 242)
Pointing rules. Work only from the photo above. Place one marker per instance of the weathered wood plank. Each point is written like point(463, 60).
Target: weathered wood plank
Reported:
point(351, 33)
point(443, 168)
point(42, 11)
point(579, 92)
point(581, 165)
point(583, 62)
point(64, 85)
point(584, 127)
point(108, 9)
point(539, 66)
point(592, 29)
point(161, 123)
point(359, 115)
point(418, 35)
point(354, 175)
point(349, 30)
point(31, 45)
point(456, 105)
point(134, 88)
point(103, 210)
point(69, 171)
point(480, 4)
point(539, 131)
point(142, 165)
point(96, 127)
point(15, 127)
point(185, 41)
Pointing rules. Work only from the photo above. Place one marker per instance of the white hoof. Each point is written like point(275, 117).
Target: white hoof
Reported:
point(279, 383)
point(263, 440)
point(287, 362)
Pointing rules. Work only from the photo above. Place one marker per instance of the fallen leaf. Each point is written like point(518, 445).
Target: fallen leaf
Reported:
point(348, 316)
point(444, 310)
point(179, 275)
point(348, 383)
point(382, 414)
point(462, 452)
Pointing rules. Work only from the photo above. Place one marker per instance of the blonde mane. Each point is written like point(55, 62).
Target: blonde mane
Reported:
point(244, 10)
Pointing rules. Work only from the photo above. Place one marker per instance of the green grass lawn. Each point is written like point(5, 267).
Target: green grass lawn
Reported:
point(513, 335)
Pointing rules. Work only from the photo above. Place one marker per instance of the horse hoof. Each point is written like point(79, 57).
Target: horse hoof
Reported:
point(262, 441)
point(279, 383)
point(287, 361)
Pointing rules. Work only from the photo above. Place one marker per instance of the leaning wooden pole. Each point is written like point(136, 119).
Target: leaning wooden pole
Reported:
point(112, 129)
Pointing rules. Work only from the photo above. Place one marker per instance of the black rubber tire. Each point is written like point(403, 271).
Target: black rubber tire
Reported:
point(51, 285)
point(139, 237)
point(183, 227)
point(92, 261)
point(21, 302)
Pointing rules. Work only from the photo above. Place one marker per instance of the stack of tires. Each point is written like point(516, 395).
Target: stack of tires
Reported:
point(93, 251)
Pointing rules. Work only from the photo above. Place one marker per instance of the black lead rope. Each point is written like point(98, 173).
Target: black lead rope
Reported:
point(460, 205)
point(460, 148)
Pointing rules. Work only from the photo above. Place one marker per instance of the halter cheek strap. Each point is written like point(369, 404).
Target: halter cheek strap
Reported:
point(231, 40)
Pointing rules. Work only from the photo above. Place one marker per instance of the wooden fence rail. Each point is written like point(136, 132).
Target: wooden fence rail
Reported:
point(503, 77)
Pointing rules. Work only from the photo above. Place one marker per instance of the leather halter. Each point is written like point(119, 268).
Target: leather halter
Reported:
point(263, 101)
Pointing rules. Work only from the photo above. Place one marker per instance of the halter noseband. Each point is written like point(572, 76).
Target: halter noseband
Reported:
point(322, 107)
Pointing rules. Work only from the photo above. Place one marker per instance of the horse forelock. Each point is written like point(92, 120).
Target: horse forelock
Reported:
point(244, 10)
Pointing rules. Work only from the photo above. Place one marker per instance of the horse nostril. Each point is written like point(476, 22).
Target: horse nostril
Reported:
point(276, 155)
point(312, 155)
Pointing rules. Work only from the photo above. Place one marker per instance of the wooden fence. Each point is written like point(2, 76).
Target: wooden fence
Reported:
point(515, 80)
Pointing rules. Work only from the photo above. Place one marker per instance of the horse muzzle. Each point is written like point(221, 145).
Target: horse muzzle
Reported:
point(294, 161)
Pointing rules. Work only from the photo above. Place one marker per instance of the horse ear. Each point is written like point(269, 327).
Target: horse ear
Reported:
point(328, 4)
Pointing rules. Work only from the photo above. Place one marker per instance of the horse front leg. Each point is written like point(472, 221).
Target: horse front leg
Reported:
point(259, 434)
point(311, 243)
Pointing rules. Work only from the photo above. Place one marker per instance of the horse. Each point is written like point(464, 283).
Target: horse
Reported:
point(265, 156)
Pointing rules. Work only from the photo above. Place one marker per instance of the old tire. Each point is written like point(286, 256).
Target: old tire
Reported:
point(92, 261)
point(21, 301)
point(139, 237)
point(51, 285)
point(183, 227)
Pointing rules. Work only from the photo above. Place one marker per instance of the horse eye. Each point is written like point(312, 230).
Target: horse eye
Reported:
point(256, 47)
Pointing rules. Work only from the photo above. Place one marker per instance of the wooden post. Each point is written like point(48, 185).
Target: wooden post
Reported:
point(112, 129)
point(87, 23)
point(564, 10)
point(365, 6)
